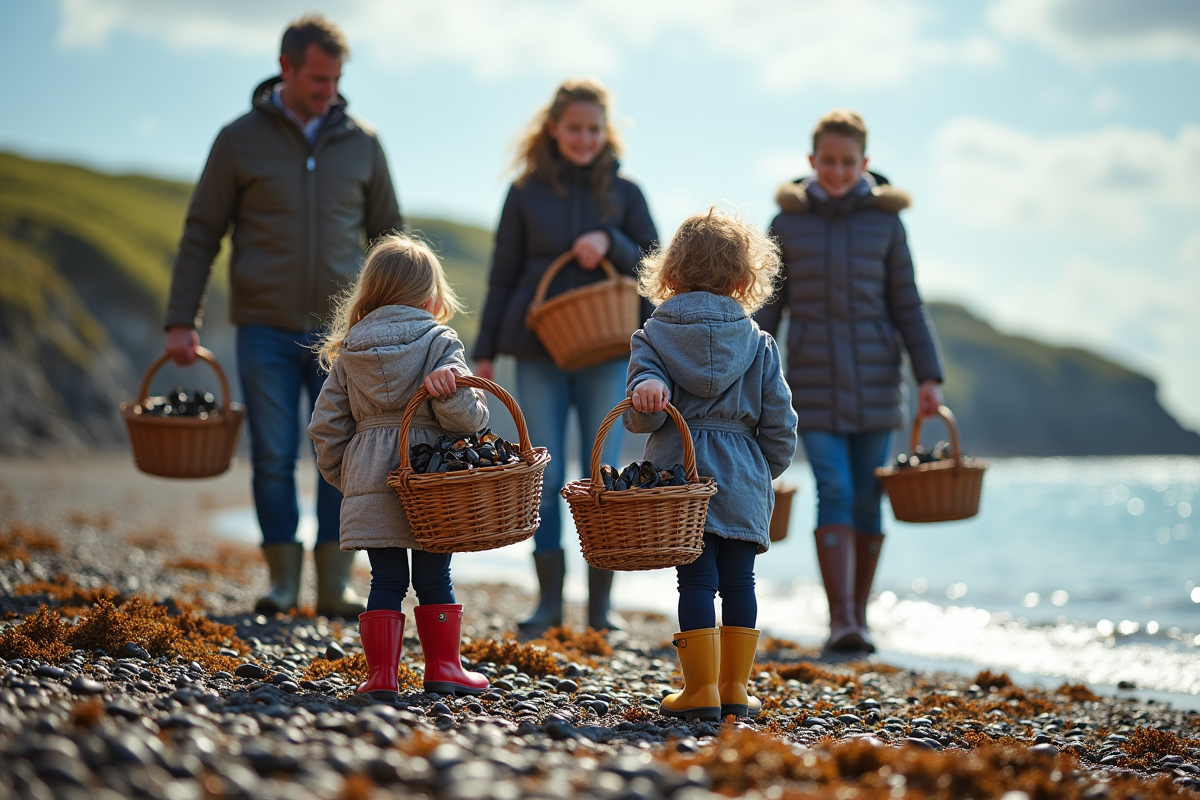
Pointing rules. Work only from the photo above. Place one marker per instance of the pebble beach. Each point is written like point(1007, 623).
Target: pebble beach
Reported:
point(132, 665)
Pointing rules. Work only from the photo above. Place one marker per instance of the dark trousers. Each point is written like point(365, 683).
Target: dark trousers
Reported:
point(725, 566)
point(390, 577)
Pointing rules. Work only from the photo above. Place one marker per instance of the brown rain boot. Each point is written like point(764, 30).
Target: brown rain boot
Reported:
point(835, 556)
point(866, 558)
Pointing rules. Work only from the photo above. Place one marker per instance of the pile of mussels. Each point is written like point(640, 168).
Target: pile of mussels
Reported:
point(925, 455)
point(179, 404)
point(642, 475)
point(460, 451)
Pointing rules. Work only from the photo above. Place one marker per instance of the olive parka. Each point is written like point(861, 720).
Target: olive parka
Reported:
point(537, 225)
point(299, 214)
point(849, 289)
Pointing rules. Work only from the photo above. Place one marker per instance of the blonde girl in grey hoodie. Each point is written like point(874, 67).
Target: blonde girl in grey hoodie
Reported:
point(702, 352)
point(387, 339)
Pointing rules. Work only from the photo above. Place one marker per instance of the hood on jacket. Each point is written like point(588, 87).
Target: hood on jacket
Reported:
point(705, 340)
point(393, 328)
point(793, 197)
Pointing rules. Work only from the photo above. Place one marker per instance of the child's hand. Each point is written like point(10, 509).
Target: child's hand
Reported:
point(440, 382)
point(650, 396)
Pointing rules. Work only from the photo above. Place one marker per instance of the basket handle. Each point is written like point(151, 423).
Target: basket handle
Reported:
point(556, 266)
point(689, 450)
point(202, 353)
point(951, 423)
point(460, 381)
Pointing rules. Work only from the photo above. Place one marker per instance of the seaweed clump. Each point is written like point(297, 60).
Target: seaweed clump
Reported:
point(353, 668)
point(581, 647)
point(105, 626)
point(19, 540)
point(987, 679)
point(1078, 692)
point(532, 659)
point(741, 760)
point(805, 672)
point(64, 590)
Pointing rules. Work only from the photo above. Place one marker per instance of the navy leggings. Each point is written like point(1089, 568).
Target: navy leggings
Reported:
point(390, 576)
point(725, 566)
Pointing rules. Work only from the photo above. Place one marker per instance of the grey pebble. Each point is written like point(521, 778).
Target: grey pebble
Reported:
point(84, 685)
point(253, 671)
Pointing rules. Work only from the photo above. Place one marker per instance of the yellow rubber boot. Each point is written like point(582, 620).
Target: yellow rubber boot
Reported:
point(700, 657)
point(738, 646)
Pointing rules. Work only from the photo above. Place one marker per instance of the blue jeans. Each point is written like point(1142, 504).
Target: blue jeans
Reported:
point(390, 576)
point(547, 394)
point(725, 566)
point(275, 365)
point(848, 492)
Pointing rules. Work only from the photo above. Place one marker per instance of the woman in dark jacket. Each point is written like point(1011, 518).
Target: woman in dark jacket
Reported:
point(568, 198)
point(849, 289)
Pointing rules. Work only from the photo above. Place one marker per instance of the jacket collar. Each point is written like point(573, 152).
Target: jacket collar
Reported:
point(337, 121)
point(803, 196)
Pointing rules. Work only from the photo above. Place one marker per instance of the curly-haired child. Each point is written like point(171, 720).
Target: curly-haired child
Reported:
point(387, 338)
point(703, 353)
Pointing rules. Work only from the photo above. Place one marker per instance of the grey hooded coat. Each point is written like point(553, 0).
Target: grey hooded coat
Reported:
point(355, 425)
point(849, 289)
point(726, 380)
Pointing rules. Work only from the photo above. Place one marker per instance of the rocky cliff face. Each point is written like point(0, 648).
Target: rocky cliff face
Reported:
point(84, 269)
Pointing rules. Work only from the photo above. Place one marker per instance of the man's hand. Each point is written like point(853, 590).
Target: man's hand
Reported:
point(182, 342)
point(650, 396)
point(440, 382)
point(485, 369)
point(929, 397)
point(590, 248)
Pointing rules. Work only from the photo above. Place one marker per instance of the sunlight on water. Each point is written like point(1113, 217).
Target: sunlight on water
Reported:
point(1061, 574)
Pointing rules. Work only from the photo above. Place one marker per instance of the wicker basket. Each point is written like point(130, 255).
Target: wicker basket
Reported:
point(781, 516)
point(640, 529)
point(183, 447)
point(939, 491)
point(477, 509)
point(585, 326)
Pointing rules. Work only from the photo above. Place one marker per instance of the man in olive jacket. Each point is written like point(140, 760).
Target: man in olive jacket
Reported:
point(301, 182)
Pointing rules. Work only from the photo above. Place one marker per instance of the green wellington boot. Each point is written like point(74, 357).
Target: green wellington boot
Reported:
point(334, 596)
point(284, 562)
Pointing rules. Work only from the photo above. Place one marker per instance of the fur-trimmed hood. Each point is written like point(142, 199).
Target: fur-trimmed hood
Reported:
point(794, 197)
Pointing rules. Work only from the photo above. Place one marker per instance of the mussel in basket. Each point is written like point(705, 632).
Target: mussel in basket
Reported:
point(608, 474)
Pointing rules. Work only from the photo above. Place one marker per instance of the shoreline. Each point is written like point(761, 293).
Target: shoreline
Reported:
point(265, 707)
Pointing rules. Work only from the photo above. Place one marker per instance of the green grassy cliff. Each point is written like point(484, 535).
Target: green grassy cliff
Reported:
point(85, 268)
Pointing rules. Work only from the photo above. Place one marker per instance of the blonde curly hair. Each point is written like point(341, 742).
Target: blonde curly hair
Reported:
point(399, 271)
point(713, 252)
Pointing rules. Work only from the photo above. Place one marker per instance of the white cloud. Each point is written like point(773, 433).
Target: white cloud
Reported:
point(1107, 182)
point(1088, 31)
point(1106, 100)
point(1189, 251)
point(790, 43)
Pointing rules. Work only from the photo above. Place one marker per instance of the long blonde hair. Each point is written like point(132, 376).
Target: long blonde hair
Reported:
point(713, 252)
point(536, 147)
point(399, 271)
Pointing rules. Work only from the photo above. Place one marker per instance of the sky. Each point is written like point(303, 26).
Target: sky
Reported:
point(1052, 147)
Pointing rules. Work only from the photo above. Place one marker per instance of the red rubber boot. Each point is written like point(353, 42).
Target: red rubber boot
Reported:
point(382, 634)
point(439, 628)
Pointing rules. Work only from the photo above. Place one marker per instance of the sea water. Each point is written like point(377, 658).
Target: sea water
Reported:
point(1076, 569)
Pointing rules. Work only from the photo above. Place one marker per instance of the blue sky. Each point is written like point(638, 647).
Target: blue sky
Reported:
point(1052, 146)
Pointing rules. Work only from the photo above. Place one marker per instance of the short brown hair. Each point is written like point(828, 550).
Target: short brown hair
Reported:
point(844, 123)
point(310, 29)
point(713, 252)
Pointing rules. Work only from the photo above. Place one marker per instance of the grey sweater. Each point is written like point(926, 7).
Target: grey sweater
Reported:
point(725, 378)
point(355, 425)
